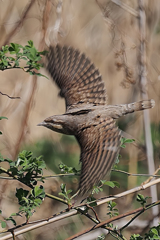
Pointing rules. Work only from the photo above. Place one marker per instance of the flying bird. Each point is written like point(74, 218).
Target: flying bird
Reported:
point(87, 116)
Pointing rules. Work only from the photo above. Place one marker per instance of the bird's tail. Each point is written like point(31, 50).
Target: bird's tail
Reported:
point(137, 106)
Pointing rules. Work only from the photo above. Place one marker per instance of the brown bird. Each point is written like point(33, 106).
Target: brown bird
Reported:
point(87, 117)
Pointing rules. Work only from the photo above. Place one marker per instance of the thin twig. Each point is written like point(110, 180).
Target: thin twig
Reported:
point(16, 178)
point(97, 218)
point(138, 174)
point(78, 209)
point(113, 219)
point(9, 96)
point(19, 23)
point(119, 195)
point(151, 177)
point(37, 225)
point(143, 210)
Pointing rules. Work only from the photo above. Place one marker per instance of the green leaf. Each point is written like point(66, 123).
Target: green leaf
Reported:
point(140, 198)
point(61, 194)
point(3, 118)
point(15, 47)
point(21, 194)
point(69, 191)
point(38, 191)
point(3, 224)
point(91, 201)
point(41, 75)
point(136, 237)
point(123, 146)
point(154, 230)
point(129, 140)
point(14, 214)
point(30, 42)
point(11, 49)
point(125, 140)
point(116, 184)
point(5, 62)
point(110, 184)
point(101, 237)
point(12, 220)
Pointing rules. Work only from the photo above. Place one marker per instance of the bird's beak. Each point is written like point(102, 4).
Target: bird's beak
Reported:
point(41, 124)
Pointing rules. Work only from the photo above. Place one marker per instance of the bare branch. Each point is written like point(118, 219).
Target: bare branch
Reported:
point(126, 7)
point(132, 190)
point(52, 32)
point(78, 209)
point(19, 23)
point(143, 86)
point(4, 94)
point(40, 224)
point(138, 174)
point(139, 210)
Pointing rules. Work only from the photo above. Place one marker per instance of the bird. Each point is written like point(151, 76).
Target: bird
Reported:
point(87, 116)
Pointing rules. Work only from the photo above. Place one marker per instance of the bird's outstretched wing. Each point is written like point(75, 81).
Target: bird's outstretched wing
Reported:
point(99, 148)
point(80, 82)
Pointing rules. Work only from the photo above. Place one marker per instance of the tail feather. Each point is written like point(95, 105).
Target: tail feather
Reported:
point(138, 106)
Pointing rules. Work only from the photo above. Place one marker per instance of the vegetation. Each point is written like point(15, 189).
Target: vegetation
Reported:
point(38, 184)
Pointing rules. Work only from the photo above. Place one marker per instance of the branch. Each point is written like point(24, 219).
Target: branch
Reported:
point(78, 209)
point(126, 7)
point(19, 23)
point(16, 178)
point(144, 94)
point(138, 174)
point(119, 195)
point(40, 224)
point(9, 96)
point(102, 224)
point(54, 30)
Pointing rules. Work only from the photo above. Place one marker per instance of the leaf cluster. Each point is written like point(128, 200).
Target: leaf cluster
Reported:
point(65, 169)
point(142, 200)
point(26, 168)
point(112, 211)
point(11, 56)
point(65, 193)
point(126, 140)
point(99, 187)
point(153, 233)
point(28, 201)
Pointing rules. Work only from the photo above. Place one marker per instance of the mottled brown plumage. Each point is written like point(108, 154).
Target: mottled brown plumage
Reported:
point(87, 117)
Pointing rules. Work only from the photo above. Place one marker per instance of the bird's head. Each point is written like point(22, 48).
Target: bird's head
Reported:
point(56, 123)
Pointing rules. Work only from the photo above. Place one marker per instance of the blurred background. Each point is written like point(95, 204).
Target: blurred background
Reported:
point(109, 35)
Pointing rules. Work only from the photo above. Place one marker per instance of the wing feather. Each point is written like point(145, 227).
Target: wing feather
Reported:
point(100, 145)
point(76, 76)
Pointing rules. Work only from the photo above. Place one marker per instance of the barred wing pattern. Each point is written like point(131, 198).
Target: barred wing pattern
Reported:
point(100, 146)
point(80, 82)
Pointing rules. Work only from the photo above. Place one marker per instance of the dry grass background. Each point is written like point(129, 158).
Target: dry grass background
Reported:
point(107, 34)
